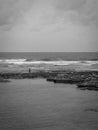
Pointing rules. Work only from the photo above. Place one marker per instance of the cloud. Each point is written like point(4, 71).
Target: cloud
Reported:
point(69, 4)
point(83, 11)
point(12, 10)
point(48, 11)
point(45, 25)
point(37, 15)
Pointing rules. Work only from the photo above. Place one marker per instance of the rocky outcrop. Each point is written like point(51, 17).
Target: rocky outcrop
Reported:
point(83, 79)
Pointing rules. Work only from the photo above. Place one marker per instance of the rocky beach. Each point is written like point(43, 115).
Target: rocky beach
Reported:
point(83, 79)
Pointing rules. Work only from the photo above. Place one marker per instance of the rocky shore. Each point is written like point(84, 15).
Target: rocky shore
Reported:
point(83, 79)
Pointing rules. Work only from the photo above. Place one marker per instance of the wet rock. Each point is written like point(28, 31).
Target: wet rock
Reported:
point(88, 86)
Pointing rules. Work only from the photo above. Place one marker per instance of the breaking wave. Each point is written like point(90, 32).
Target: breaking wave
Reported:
point(46, 62)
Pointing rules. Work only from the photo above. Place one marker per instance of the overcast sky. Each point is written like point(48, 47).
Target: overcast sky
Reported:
point(49, 25)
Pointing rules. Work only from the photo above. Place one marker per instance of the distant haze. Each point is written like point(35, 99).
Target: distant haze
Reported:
point(49, 25)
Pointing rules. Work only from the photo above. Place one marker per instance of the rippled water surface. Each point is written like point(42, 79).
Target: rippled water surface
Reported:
point(40, 105)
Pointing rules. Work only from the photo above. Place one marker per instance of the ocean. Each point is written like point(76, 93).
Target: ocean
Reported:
point(49, 60)
point(48, 56)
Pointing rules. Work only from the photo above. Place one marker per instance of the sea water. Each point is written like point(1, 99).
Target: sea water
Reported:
point(48, 60)
point(35, 104)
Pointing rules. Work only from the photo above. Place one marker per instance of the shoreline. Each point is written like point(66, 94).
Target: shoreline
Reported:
point(87, 79)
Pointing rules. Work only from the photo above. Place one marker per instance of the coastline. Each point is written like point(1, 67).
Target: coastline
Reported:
point(84, 78)
point(64, 68)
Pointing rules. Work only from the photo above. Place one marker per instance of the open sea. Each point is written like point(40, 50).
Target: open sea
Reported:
point(43, 60)
point(35, 104)
point(70, 56)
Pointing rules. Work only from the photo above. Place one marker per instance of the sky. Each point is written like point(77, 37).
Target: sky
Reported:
point(48, 25)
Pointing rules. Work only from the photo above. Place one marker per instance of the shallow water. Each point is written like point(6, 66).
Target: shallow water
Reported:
point(39, 105)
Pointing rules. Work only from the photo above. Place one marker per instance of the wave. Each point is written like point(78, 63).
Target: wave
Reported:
point(12, 60)
point(46, 62)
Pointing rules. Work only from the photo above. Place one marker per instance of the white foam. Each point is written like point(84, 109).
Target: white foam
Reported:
point(12, 61)
point(58, 63)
